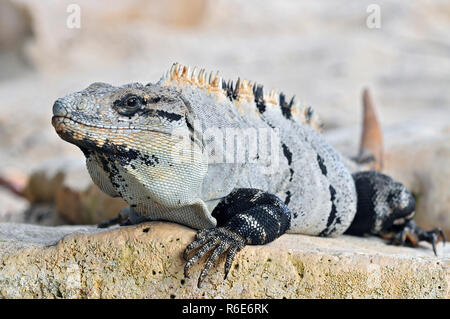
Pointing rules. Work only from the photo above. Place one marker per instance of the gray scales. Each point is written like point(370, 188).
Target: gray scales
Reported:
point(241, 164)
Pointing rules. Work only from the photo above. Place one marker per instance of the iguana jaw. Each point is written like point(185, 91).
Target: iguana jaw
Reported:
point(89, 136)
point(73, 131)
point(118, 142)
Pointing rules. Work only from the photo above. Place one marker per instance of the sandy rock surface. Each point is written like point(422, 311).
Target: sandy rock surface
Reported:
point(145, 261)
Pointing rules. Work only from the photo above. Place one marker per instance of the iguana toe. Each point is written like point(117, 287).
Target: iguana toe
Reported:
point(216, 241)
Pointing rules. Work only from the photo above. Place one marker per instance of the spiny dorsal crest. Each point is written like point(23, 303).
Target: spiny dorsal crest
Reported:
point(243, 90)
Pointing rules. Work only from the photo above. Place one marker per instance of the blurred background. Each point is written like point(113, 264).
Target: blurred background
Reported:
point(323, 52)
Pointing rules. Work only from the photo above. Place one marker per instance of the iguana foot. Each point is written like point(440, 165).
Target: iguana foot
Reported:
point(411, 235)
point(219, 241)
point(246, 216)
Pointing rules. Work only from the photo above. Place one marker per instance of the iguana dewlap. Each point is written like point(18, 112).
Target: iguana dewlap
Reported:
point(238, 163)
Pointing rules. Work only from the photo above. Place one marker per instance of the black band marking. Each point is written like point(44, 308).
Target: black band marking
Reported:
point(285, 107)
point(288, 197)
point(332, 218)
point(322, 166)
point(259, 98)
point(169, 115)
point(228, 89)
point(308, 114)
point(288, 154)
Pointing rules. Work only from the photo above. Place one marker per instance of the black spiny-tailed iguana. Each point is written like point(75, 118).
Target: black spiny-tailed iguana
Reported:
point(241, 165)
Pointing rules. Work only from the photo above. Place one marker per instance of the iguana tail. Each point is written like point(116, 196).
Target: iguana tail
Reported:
point(371, 145)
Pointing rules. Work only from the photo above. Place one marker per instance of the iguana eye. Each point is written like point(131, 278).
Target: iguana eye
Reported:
point(131, 102)
point(128, 105)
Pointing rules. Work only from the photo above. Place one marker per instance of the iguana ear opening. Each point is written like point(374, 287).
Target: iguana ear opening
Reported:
point(371, 145)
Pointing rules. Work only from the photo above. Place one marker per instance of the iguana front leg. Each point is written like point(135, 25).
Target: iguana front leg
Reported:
point(245, 217)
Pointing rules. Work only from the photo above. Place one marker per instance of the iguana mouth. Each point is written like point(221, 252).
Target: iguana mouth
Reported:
point(63, 123)
point(108, 140)
point(75, 132)
point(64, 120)
point(87, 137)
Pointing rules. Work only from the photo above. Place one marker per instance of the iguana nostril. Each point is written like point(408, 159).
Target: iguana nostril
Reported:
point(59, 109)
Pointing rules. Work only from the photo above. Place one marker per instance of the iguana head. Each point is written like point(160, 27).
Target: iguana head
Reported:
point(103, 115)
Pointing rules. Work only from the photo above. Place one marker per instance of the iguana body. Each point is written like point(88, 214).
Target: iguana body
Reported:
point(241, 165)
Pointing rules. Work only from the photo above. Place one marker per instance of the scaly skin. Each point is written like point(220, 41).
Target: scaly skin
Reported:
point(159, 147)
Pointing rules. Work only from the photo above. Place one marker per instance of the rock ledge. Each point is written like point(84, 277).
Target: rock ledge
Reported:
point(145, 261)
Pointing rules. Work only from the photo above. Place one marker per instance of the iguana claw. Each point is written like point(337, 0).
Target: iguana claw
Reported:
point(436, 235)
point(217, 241)
point(411, 234)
